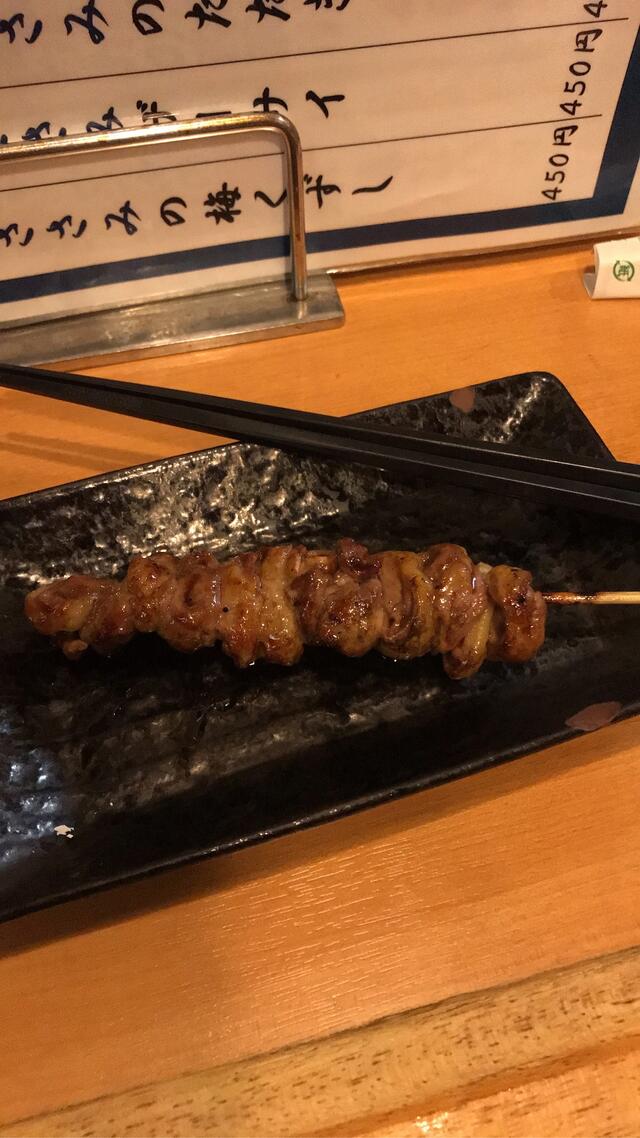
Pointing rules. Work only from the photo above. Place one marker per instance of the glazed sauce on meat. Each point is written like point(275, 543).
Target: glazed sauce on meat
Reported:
point(270, 603)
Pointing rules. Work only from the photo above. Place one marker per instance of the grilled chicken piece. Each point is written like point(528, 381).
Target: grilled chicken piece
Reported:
point(269, 603)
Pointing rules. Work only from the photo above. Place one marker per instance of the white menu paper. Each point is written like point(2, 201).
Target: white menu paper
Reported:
point(429, 128)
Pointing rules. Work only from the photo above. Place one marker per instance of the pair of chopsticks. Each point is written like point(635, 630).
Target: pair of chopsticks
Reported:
point(613, 488)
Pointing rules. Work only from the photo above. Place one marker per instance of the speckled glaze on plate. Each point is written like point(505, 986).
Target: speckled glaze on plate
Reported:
point(113, 768)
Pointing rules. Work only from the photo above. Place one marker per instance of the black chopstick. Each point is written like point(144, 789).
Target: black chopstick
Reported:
point(613, 489)
point(618, 475)
point(613, 474)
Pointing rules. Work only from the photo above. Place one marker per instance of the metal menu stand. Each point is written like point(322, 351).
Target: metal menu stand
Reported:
point(198, 319)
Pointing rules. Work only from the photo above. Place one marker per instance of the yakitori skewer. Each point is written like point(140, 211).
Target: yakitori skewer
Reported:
point(270, 603)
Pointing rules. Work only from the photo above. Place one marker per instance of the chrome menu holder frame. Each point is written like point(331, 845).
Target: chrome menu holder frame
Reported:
point(194, 319)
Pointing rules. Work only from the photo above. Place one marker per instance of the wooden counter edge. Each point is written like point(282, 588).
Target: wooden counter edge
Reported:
point(390, 1076)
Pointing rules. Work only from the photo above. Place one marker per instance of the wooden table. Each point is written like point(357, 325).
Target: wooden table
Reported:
point(493, 920)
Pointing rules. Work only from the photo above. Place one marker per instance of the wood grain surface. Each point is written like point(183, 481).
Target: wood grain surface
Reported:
point(485, 882)
point(435, 1069)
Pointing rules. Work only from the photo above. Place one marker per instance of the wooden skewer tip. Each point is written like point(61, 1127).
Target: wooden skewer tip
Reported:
point(602, 598)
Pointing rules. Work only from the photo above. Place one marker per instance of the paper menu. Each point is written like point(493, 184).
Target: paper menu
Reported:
point(428, 128)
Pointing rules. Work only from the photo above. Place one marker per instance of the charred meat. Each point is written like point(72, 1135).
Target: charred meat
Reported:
point(270, 603)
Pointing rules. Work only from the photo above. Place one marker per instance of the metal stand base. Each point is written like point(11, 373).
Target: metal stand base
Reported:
point(178, 324)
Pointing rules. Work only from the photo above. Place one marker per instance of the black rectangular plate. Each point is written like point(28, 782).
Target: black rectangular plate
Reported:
point(153, 759)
